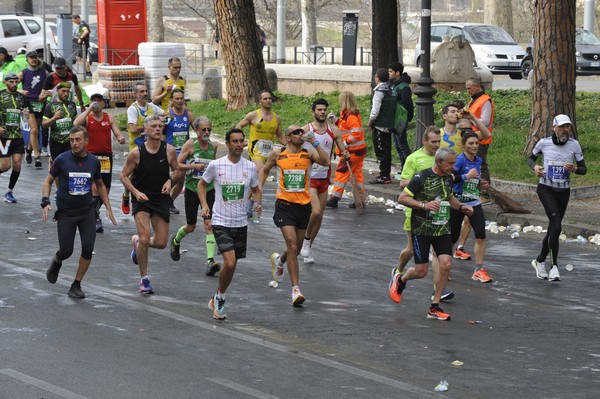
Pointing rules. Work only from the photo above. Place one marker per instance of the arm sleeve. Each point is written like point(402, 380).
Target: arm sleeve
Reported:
point(209, 172)
point(132, 115)
point(377, 99)
point(486, 114)
point(356, 131)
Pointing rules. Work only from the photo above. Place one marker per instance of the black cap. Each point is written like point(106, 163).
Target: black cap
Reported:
point(59, 62)
point(10, 76)
point(3, 50)
point(32, 54)
point(98, 96)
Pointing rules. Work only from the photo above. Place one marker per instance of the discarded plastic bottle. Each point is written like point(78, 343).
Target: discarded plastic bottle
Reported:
point(581, 240)
point(442, 386)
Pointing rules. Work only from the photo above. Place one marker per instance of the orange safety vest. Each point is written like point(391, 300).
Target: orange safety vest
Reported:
point(476, 106)
point(352, 131)
point(294, 177)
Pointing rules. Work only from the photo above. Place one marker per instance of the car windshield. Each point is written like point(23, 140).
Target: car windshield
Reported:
point(585, 37)
point(488, 34)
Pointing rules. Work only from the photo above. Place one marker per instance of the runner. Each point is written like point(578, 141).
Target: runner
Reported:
point(467, 189)
point(194, 158)
point(76, 170)
point(233, 177)
point(167, 83)
point(13, 107)
point(32, 78)
point(146, 176)
point(429, 194)
point(320, 176)
point(59, 116)
point(292, 208)
point(265, 126)
point(177, 132)
point(100, 125)
point(554, 189)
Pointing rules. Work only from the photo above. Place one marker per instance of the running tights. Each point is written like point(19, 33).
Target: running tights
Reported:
point(555, 203)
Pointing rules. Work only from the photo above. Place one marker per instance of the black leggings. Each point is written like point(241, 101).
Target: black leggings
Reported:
point(67, 224)
point(555, 203)
point(477, 222)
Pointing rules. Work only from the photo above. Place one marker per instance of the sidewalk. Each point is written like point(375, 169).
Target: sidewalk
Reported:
point(582, 217)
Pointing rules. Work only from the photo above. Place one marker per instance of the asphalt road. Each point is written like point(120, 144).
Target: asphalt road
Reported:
point(536, 339)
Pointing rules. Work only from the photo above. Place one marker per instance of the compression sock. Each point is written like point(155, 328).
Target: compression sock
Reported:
point(14, 176)
point(210, 246)
point(180, 234)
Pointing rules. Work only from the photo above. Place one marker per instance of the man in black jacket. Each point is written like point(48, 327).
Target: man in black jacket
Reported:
point(400, 85)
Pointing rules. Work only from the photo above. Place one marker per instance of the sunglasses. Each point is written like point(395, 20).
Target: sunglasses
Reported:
point(206, 129)
point(296, 132)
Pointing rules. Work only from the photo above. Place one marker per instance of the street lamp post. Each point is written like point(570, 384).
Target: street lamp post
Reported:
point(424, 90)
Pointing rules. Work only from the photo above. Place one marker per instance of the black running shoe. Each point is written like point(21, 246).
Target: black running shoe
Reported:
point(75, 292)
point(53, 270)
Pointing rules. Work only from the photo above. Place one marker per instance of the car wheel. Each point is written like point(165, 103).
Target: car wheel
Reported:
point(526, 68)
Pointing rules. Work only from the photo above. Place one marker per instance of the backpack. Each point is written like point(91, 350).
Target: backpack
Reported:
point(401, 116)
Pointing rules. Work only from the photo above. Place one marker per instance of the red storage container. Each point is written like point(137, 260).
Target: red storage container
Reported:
point(121, 27)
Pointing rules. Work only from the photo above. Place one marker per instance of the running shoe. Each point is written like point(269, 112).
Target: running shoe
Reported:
point(540, 269)
point(481, 275)
point(297, 297)
point(332, 202)
point(219, 310)
point(381, 180)
point(28, 157)
point(276, 267)
point(9, 197)
point(125, 205)
point(174, 250)
point(461, 254)
point(305, 251)
point(145, 287)
point(554, 275)
point(309, 260)
point(173, 210)
point(75, 292)
point(396, 285)
point(38, 162)
point(212, 267)
point(435, 312)
point(446, 295)
point(135, 242)
point(99, 227)
point(53, 270)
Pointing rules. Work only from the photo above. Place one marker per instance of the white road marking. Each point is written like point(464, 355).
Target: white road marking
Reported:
point(46, 386)
point(242, 388)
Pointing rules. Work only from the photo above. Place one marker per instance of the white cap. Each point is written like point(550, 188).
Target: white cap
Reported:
point(21, 50)
point(561, 119)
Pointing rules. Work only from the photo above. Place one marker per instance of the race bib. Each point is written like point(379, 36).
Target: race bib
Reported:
point(264, 147)
point(442, 215)
point(232, 191)
point(13, 117)
point(37, 106)
point(198, 173)
point(64, 126)
point(104, 164)
point(179, 139)
point(471, 189)
point(557, 172)
point(294, 180)
point(80, 183)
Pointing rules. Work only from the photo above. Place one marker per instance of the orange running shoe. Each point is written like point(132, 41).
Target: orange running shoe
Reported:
point(435, 312)
point(396, 286)
point(125, 205)
point(461, 254)
point(481, 275)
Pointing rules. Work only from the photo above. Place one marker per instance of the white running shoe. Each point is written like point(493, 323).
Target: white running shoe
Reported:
point(554, 275)
point(540, 269)
point(297, 297)
point(277, 267)
point(309, 259)
point(305, 251)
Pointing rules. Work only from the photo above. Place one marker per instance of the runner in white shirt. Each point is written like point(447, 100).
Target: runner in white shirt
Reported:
point(234, 178)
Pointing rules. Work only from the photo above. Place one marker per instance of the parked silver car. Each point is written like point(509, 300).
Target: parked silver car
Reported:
point(24, 30)
point(495, 50)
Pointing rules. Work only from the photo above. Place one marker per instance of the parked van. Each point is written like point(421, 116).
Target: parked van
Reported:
point(24, 30)
point(495, 50)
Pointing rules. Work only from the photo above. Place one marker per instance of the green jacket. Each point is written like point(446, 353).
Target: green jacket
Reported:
point(5, 68)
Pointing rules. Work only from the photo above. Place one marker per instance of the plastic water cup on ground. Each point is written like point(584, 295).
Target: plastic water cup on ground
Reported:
point(569, 267)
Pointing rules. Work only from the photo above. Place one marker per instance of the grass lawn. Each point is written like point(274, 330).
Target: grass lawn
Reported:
point(511, 127)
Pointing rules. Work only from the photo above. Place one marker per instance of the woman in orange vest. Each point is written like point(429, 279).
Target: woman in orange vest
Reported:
point(350, 124)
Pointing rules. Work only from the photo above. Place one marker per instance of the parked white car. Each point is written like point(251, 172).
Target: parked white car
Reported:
point(24, 30)
point(495, 50)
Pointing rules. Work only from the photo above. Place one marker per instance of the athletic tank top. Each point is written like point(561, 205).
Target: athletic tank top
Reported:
point(142, 114)
point(180, 84)
point(177, 132)
point(293, 177)
point(262, 135)
point(99, 131)
point(152, 171)
point(326, 140)
point(453, 141)
point(199, 156)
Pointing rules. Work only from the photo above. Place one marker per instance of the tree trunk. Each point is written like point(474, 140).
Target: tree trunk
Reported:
point(401, 6)
point(309, 27)
point(554, 67)
point(156, 25)
point(384, 38)
point(24, 6)
point(244, 64)
point(499, 12)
